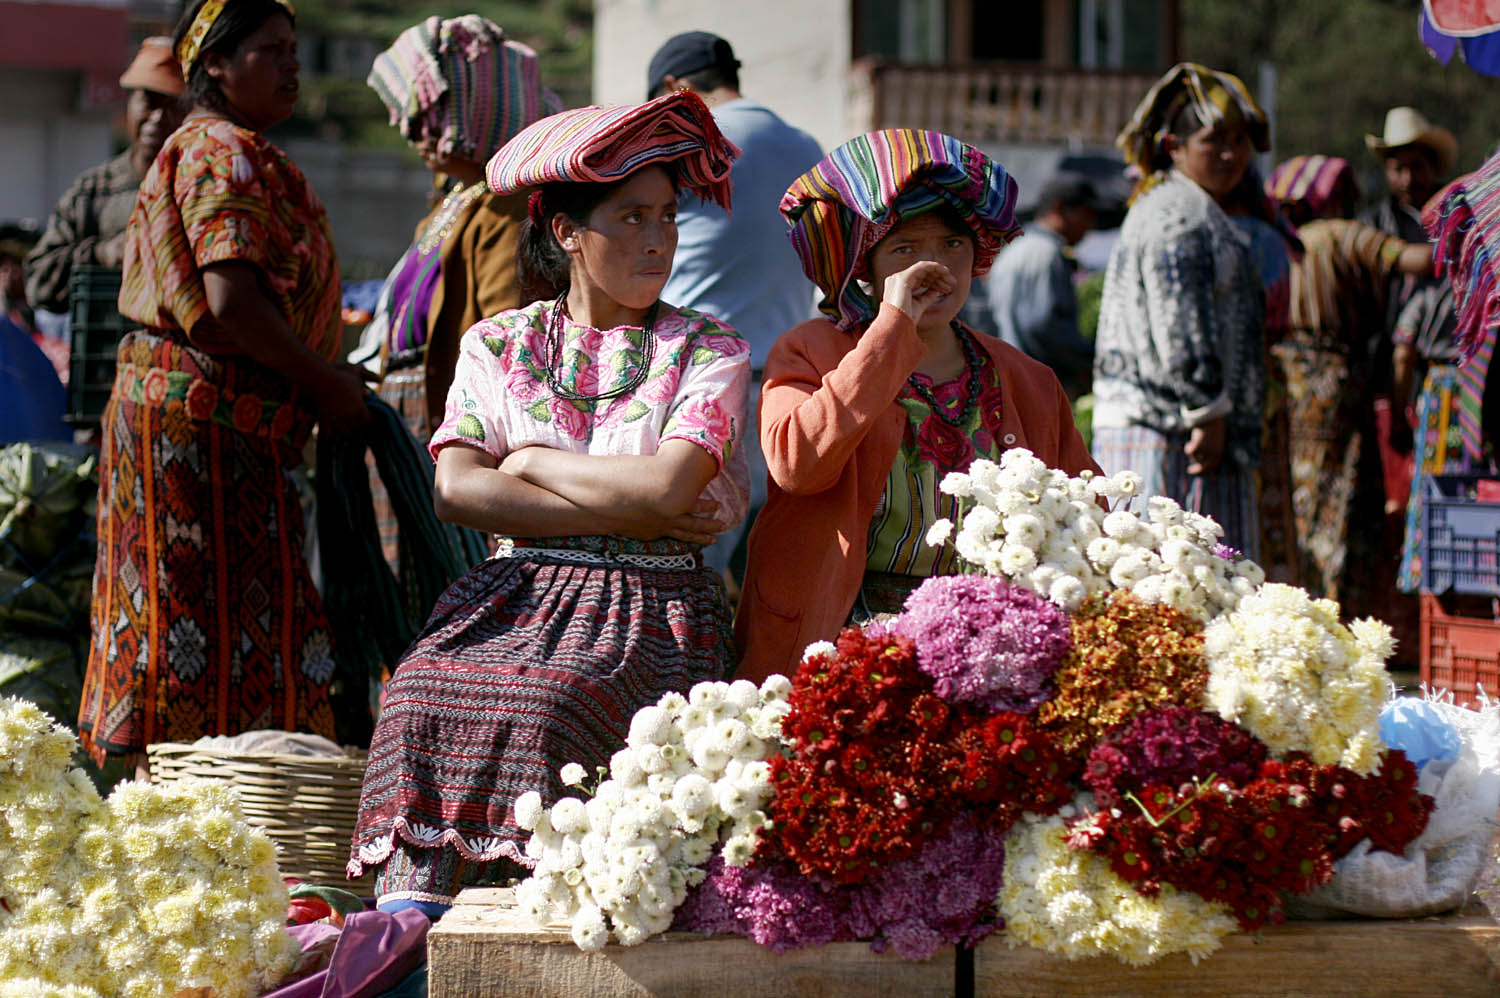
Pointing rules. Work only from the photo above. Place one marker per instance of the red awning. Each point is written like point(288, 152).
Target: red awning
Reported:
point(1460, 18)
point(92, 37)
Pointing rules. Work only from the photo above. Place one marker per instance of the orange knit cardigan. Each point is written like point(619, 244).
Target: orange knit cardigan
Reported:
point(830, 427)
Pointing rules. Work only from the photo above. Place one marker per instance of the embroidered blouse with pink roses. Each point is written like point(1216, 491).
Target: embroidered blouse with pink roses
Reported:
point(696, 390)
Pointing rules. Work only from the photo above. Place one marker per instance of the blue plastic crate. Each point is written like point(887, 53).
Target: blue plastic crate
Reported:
point(1460, 542)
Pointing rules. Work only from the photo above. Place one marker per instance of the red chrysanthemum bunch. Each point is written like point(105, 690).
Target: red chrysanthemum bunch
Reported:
point(1384, 807)
point(1244, 847)
point(880, 764)
point(1127, 656)
point(1249, 843)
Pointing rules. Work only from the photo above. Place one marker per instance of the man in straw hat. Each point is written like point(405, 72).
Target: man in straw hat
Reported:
point(1417, 155)
point(88, 225)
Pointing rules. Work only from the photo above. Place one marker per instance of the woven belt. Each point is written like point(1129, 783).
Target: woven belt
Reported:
point(671, 562)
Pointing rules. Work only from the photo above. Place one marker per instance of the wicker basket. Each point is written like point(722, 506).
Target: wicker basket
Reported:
point(306, 804)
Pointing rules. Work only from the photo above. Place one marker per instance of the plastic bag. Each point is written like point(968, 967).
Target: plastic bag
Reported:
point(1441, 867)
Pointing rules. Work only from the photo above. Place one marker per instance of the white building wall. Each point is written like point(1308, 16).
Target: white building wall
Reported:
point(795, 53)
point(45, 141)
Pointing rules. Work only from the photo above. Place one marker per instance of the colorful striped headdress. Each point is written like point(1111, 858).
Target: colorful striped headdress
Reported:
point(1216, 97)
point(1307, 186)
point(601, 144)
point(851, 200)
point(461, 82)
point(1464, 221)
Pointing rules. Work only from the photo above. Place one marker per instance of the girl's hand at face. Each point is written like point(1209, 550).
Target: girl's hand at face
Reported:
point(918, 288)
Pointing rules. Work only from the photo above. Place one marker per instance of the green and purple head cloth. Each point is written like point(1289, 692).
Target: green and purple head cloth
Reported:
point(461, 82)
point(851, 200)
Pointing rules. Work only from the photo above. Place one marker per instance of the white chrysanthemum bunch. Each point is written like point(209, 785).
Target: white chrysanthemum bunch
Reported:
point(1070, 902)
point(1041, 529)
point(157, 889)
point(1284, 668)
point(693, 770)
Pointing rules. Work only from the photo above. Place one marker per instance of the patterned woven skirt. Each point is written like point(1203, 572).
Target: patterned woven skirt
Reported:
point(1338, 492)
point(526, 664)
point(1228, 494)
point(205, 620)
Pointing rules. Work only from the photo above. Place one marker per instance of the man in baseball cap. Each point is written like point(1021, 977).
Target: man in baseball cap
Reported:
point(739, 267)
point(88, 225)
point(685, 55)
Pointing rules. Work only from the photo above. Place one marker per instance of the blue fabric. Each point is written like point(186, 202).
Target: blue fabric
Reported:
point(739, 266)
point(34, 399)
point(1482, 52)
point(432, 909)
point(1419, 729)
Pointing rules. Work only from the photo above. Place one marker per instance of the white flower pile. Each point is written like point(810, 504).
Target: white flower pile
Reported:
point(1046, 531)
point(1071, 902)
point(1283, 667)
point(693, 770)
point(152, 891)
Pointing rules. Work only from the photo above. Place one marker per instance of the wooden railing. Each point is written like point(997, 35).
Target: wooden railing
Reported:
point(997, 102)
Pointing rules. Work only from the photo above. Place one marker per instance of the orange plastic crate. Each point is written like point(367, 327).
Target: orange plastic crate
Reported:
point(1460, 653)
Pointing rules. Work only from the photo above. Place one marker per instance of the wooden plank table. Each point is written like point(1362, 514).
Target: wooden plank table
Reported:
point(484, 947)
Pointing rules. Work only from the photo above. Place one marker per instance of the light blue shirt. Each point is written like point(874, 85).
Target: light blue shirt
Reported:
point(1035, 307)
point(740, 266)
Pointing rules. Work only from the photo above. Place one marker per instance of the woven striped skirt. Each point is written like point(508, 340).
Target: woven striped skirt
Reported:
point(526, 664)
point(204, 620)
point(1228, 494)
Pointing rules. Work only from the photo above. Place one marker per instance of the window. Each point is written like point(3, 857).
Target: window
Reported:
point(902, 30)
point(1120, 34)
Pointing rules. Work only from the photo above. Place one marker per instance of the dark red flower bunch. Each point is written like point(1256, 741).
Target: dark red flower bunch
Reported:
point(880, 764)
point(1249, 844)
point(1244, 847)
point(1384, 808)
point(1171, 746)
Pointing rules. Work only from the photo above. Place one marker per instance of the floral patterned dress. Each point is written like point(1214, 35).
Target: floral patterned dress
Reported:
point(936, 440)
point(205, 620)
point(541, 658)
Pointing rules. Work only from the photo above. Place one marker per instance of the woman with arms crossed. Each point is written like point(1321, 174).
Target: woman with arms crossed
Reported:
point(596, 431)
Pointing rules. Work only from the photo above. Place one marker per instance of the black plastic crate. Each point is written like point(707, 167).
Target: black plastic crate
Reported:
point(96, 328)
point(1460, 542)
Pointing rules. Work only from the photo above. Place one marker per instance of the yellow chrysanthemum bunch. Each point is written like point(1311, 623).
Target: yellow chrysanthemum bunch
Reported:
point(1282, 666)
point(1071, 903)
point(156, 889)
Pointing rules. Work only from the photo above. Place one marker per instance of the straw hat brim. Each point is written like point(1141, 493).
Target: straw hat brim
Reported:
point(1439, 140)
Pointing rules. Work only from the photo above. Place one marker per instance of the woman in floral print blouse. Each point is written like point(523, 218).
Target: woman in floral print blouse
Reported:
point(597, 432)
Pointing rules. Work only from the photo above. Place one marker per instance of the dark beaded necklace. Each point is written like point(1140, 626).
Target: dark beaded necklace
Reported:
point(971, 400)
point(553, 359)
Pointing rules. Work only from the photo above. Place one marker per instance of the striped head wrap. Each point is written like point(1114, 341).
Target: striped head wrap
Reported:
point(1309, 187)
point(461, 82)
point(1217, 98)
point(851, 200)
point(1463, 220)
point(601, 144)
